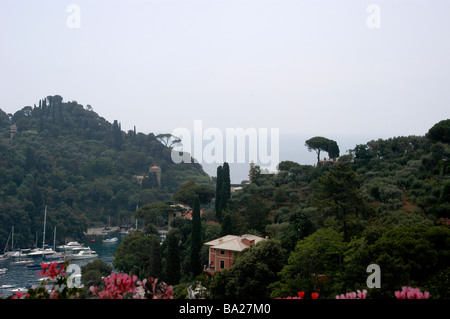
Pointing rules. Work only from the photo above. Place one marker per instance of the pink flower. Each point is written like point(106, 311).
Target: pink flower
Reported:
point(353, 295)
point(411, 293)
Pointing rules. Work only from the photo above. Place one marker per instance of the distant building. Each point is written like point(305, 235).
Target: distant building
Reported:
point(328, 161)
point(224, 250)
point(235, 189)
point(182, 211)
point(139, 178)
point(156, 170)
point(12, 131)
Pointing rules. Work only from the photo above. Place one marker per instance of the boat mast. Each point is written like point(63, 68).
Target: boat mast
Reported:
point(43, 236)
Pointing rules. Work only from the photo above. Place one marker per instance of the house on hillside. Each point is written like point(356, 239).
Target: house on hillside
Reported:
point(182, 211)
point(224, 250)
point(156, 170)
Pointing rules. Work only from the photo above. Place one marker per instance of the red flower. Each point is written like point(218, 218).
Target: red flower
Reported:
point(301, 294)
point(314, 295)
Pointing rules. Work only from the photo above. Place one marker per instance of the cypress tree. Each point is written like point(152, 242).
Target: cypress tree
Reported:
point(219, 182)
point(155, 259)
point(226, 187)
point(196, 240)
point(173, 274)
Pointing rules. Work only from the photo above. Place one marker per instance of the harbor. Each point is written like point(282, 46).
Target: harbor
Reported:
point(21, 272)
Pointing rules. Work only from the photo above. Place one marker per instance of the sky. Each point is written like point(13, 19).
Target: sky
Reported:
point(357, 68)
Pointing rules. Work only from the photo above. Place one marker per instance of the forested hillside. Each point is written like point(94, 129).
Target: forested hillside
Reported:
point(386, 202)
point(82, 167)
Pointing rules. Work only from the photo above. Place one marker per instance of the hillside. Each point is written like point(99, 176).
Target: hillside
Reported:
point(66, 156)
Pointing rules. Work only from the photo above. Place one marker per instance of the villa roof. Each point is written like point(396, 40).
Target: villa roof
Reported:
point(234, 243)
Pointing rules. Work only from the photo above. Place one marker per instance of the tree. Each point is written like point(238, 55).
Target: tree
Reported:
point(312, 265)
point(218, 197)
point(168, 140)
point(256, 215)
point(196, 240)
point(440, 132)
point(93, 272)
point(226, 186)
point(154, 214)
point(223, 189)
point(319, 144)
point(117, 135)
point(337, 192)
point(173, 274)
point(155, 259)
point(190, 189)
point(133, 254)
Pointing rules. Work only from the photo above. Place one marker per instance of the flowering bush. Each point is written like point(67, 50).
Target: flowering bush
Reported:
point(353, 295)
point(411, 293)
point(117, 286)
point(301, 294)
point(123, 286)
point(405, 293)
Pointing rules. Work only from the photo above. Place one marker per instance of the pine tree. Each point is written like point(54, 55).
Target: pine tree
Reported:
point(196, 240)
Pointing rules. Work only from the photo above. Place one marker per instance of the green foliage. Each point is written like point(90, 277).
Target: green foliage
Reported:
point(173, 274)
point(440, 132)
point(196, 239)
point(315, 257)
point(82, 167)
point(93, 272)
point(319, 144)
point(133, 254)
point(189, 190)
point(337, 193)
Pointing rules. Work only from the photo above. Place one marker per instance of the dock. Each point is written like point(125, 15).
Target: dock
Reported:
point(99, 231)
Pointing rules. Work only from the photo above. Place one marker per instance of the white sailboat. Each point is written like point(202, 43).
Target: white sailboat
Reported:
point(43, 251)
point(110, 239)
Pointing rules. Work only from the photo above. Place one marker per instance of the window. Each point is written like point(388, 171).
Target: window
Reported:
point(222, 264)
point(222, 252)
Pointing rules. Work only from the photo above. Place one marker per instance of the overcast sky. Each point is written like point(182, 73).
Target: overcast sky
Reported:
point(308, 67)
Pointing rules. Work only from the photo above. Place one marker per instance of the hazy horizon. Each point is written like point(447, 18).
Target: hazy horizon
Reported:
point(305, 67)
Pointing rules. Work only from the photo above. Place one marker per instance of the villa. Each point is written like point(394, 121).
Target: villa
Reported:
point(224, 250)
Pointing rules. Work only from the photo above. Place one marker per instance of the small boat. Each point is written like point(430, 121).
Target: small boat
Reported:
point(40, 252)
point(3, 271)
point(70, 245)
point(37, 265)
point(84, 254)
point(20, 289)
point(22, 262)
point(7, 286)
point(110, 240)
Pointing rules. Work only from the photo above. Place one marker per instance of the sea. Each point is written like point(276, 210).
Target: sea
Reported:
point(20, 276)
